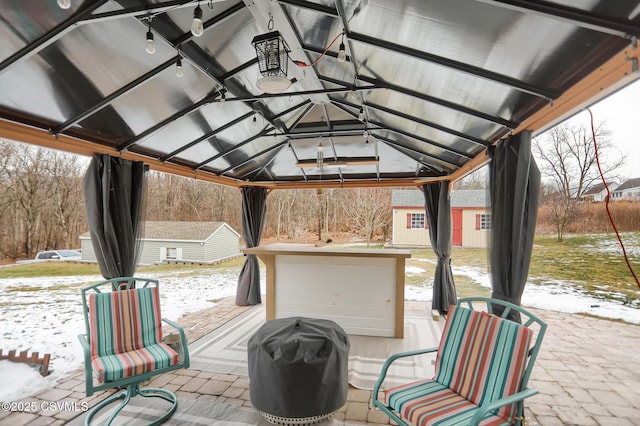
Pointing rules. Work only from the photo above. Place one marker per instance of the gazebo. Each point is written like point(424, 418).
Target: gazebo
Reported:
point(265, 95)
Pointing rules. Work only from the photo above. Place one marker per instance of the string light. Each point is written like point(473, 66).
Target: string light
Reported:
point(64, 4)
point(197, 28)
point(320, 156)
point(354, 95)
point(179, 72)
point(342, 54)
point(361, 115)
point(151, 47)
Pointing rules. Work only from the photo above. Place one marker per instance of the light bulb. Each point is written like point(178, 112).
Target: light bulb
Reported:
point(354, 95)
point(223, 99)
point(64, 4)
point(342, 55)
point(197, 28)
point(365, 134)
point(361, 115)
point(320, 146)
point(179, 72)
point(254, 122)
point(151, 48)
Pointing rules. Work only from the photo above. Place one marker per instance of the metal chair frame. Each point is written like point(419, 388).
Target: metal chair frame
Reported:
point(130, 386)
point(528, 320)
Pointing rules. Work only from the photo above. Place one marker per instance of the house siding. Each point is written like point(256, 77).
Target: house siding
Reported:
point(629, 194)
point(223, 243)
point(153, 251)
point(472, 237)
point(408, 237)
point(88, 253)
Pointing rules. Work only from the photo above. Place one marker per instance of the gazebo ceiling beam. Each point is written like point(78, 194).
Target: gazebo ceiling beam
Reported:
point(520, 85)
point(53, 35)
point(113, 96)
point(253, 157)
point(571, 15)
point(259, 135)
point(409, 134)
point(427, 123)
point(451, 105)
point(397, 145)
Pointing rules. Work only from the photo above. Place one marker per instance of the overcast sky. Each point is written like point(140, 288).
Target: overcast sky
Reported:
point(621, 113)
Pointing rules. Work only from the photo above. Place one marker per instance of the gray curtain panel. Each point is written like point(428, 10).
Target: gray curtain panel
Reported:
point(514, 181)
point(114, 195)
point(437, 204)
point(254, 210)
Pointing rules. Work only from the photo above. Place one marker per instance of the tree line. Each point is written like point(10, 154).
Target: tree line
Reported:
point(42, 203)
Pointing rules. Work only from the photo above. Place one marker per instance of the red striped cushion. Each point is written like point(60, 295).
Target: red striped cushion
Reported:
point(428, 403)
point(481, 358)
point(127, 364)
point(126, 333)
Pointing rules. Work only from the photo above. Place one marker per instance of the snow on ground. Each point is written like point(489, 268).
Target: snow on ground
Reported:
point(564, 297)
point(28, 379)
point(44, 314)
point(413, 270)
point(603, 243)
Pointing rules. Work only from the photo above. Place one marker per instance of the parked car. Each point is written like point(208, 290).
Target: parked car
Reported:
point(59, 255)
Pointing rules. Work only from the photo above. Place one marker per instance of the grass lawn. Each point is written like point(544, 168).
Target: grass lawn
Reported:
point(593, 262)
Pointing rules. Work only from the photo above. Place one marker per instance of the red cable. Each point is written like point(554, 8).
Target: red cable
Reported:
point(304, 64)
point(624, 251)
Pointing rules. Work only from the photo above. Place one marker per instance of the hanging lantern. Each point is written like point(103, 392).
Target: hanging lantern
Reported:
point(273, 56)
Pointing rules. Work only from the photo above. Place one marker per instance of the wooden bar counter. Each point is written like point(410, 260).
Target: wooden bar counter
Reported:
point(360, 289)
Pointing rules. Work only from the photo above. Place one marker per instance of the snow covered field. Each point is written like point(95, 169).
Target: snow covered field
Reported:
point(45, 314)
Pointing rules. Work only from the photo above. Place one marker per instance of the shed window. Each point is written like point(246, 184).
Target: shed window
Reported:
point(483, 221)
point(172, 253)
point(415, 221)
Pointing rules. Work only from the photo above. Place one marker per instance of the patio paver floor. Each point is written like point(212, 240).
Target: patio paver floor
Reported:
point(586, 373)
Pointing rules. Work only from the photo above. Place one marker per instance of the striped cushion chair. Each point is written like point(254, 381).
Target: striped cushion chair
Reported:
point(123, 345)
point(482, 367)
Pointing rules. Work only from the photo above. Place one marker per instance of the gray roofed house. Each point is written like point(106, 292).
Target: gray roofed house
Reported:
point(628, 190)
point(175, 241)
point(596, 193)
point(470, 211)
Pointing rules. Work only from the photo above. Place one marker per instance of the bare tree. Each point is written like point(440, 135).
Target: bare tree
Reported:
point(369, 209)
point(41, 202)
point(569, 157)
point(561, 211)
point(68, 220)
point(568, 160)
point(477, 180)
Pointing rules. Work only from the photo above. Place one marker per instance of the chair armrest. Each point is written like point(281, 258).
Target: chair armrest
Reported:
point(516, 397)
point(88, 366)
point(387, 364)
point(183, 340)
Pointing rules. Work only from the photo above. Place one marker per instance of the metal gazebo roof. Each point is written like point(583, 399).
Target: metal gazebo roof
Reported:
point(431, 82)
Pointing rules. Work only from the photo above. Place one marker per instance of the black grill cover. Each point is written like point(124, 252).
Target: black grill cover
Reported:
point(298, 367)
